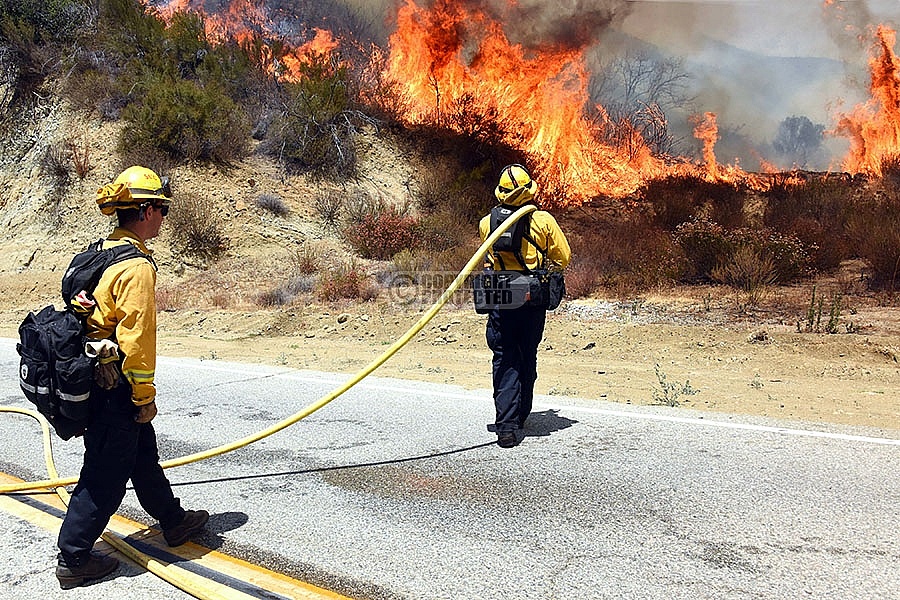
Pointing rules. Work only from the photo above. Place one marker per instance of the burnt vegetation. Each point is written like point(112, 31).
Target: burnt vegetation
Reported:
point(183, 99)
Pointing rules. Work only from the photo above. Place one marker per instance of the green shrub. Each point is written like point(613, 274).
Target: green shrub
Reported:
point(38, 34)
point(185, 121)
point(315, 129)
point(50, 20)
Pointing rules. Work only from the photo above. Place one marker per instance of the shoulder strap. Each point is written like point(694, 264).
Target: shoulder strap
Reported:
point(540, 250)
point(511, 240)
point(87, 267)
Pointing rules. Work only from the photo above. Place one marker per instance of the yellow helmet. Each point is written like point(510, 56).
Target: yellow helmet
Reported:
point(516, 186)
point(134, 187)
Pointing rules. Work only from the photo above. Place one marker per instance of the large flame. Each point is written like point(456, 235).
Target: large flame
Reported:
point(458, 69)
point(874, 126)
point(450, 58)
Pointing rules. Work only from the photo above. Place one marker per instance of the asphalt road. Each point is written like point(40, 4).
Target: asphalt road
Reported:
point(396, 490)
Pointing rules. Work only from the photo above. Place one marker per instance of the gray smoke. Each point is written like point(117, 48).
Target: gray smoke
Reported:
point(564, 24)
point(532, 23)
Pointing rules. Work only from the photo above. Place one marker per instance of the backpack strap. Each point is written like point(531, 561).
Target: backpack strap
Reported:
point(87, 267)
point(511, 240)
point(513, 243)
point(540, 250)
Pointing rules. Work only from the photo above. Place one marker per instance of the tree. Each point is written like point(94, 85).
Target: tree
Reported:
point(798, 139)
point(639, 89)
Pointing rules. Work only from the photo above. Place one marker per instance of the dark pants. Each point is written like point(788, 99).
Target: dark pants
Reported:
point(116, 449)
point(514, 336)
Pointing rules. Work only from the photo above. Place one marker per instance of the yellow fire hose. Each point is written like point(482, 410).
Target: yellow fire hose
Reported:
point(196, 585)
point(201, 587)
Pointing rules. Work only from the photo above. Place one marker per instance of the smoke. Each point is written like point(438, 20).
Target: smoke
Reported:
point(565, 24)
point(756, 63)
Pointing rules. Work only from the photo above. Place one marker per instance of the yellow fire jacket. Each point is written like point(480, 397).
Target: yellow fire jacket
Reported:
point(545, 231)
point(126, 313)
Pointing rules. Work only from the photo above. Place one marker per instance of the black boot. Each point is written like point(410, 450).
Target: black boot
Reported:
point(507, 439)
point(193, 521)
point(96, 566)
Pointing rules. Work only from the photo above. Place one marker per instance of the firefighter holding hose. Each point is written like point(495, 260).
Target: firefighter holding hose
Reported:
point(534, 244)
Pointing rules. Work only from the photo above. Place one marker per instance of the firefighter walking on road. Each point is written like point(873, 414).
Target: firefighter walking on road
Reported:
point(120, 443)
point(514, 333)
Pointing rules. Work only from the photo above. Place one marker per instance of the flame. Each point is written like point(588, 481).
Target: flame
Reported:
point(874, 126)
point(458, 69)
point(450, 57)
point(706, 129)
point(248, 23)
point(322, 44)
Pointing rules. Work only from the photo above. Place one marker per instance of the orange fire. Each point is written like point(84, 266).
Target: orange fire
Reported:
point(874, 126)
point(322, 44)
point(450, 58)
point(706, 129)
point(236, 21)
point(457, 68)
point(245, 21)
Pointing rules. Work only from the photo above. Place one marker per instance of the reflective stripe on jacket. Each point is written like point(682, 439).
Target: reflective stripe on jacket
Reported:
point(126, 313)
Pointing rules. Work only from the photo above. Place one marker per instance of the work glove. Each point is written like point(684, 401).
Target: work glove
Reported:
point(106, 373)
point(145, 413)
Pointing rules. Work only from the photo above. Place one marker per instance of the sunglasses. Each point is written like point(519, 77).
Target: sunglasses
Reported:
point(162, 208)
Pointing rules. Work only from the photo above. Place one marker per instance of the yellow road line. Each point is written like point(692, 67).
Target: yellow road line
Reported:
point(46, 511)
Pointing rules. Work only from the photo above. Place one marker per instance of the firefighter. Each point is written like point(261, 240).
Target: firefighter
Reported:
point(120, 442)
point(513, 333)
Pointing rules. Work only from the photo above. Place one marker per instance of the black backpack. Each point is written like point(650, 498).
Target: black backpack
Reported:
point(511, 239)
point(54, 372)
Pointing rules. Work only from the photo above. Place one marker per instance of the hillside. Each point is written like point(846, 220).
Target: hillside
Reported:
point(742, 361)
